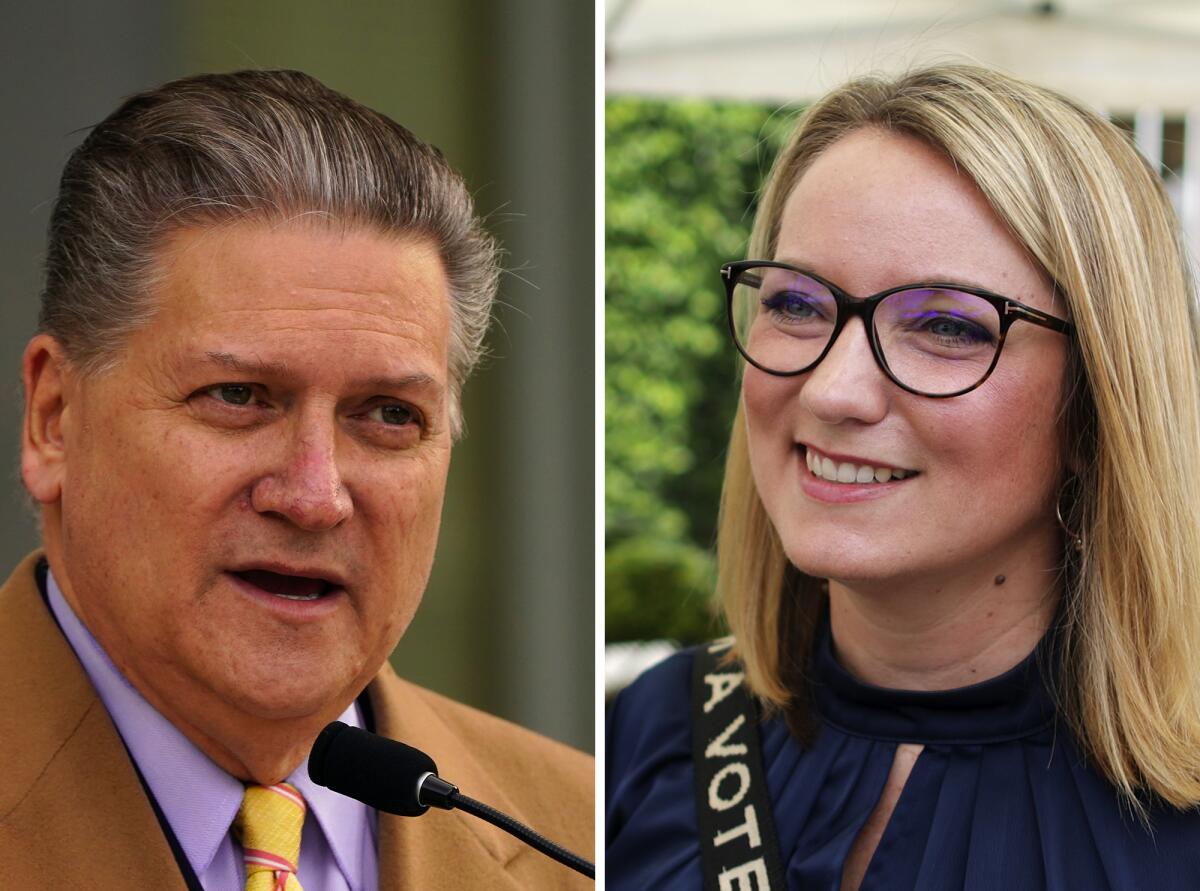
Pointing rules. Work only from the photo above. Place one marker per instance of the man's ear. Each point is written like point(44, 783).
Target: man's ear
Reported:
point(44, 373)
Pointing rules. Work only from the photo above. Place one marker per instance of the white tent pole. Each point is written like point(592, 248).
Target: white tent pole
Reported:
point(1148, 133)
point(1189, 189)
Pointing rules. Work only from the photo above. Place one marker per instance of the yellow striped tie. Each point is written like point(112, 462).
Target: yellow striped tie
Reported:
point(268, 825)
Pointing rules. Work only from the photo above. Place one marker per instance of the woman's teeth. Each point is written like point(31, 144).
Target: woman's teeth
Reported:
point(828, 469)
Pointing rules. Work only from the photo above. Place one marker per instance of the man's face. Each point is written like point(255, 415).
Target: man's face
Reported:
point(251, 497)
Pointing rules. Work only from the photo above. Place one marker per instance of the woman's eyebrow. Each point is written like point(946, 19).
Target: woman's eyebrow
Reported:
point(933, 278)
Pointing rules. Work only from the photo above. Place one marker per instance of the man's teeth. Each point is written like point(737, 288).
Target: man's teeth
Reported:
point(828, 469)
point(297, 596)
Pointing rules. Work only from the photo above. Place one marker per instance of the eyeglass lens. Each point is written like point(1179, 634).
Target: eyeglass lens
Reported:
point(935, 341)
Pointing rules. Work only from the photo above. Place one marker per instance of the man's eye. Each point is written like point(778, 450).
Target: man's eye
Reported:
point(393, 415)
point(232, 394)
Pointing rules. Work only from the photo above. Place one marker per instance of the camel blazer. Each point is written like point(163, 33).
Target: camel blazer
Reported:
point(73, 813)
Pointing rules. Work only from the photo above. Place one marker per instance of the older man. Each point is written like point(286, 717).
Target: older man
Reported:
point(262, 302)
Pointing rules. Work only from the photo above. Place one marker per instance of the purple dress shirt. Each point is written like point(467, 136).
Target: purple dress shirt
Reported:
point(200, 800)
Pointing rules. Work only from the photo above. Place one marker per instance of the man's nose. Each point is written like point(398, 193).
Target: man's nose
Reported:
point(306, 486)
point(848, 383)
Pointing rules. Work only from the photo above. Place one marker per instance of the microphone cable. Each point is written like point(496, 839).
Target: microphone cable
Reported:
point(399, 779)
point(520, 830)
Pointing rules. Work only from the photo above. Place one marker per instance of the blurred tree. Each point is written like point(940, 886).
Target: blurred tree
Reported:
point(681, 180)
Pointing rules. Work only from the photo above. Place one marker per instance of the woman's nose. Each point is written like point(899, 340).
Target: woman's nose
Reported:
point(848, 383)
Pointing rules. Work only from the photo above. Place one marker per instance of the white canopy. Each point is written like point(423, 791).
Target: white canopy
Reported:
point(1118, 56)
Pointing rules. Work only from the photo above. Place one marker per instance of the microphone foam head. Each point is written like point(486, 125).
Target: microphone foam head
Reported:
point(377, 771)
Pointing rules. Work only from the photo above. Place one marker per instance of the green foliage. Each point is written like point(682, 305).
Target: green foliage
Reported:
point(681, 179)
point(641, 573)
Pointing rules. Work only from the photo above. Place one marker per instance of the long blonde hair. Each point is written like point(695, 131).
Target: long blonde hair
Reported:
point(1091, 212)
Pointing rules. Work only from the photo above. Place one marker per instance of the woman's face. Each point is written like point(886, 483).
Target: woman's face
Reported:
point(874, 211)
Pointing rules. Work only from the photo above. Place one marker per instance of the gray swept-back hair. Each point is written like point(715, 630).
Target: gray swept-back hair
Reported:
point(270, 145)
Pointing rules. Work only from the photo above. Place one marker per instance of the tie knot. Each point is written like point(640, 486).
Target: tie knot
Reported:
point(269, 824)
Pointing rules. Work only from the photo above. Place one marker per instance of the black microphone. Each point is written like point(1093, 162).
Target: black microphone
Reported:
point(390, 776)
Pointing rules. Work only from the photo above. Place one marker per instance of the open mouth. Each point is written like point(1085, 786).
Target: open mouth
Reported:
point(291, 587)
point(846, 472)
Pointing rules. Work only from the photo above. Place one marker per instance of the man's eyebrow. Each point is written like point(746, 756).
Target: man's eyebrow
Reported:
point(247, 366)
point(258, 367)
point(402, 382)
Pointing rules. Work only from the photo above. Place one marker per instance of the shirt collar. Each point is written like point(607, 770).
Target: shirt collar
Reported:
point(198, 798)
point(1016, 704)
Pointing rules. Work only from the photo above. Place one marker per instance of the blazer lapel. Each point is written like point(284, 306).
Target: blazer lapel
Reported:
point(72, 812)
point(440, 850)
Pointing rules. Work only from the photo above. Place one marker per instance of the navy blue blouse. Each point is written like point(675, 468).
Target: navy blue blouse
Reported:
point(1000, 797)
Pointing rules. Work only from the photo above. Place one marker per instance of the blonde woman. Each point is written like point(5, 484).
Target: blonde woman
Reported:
point(959, 546)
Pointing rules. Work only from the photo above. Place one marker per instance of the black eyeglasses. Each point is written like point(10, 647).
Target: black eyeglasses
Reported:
point(933, 339)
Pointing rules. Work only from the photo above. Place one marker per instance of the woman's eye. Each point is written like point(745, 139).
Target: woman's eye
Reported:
point(232, 394)
point(792, 305)
point(958, 329)
point(789, 303)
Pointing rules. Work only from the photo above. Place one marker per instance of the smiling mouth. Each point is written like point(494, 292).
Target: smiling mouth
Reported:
point(290, 587)
point(825, 468)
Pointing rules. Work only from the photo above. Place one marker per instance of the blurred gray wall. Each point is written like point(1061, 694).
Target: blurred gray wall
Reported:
point(506, 91)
